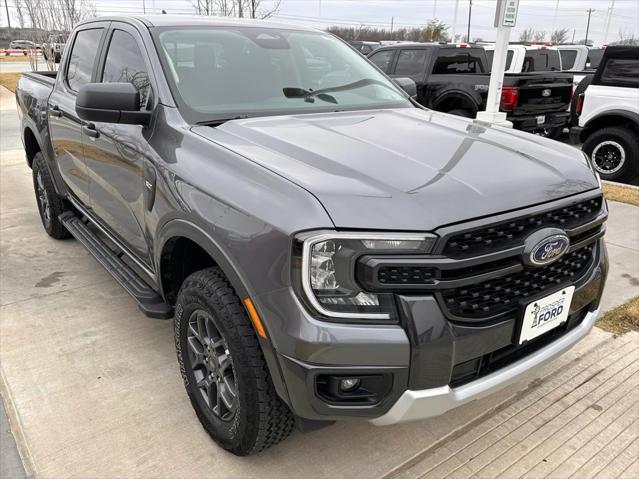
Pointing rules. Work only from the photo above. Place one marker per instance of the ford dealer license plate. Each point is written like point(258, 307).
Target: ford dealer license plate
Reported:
point(545, 314)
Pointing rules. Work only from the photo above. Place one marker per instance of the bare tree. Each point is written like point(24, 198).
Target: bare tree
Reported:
point(559, 36)
point(527, 35)
point(626, 38)
point(539, 36)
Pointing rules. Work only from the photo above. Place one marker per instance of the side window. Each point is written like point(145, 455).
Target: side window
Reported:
point(568, 58)
point(458, 60)
point(411, 63)
point(124, 63)
point(622, 72)
point(85, 48)
point(383, 59)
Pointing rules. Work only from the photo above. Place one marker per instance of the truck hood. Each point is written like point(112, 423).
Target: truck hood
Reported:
point(407, 169)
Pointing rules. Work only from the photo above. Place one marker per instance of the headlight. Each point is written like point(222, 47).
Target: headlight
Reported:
point(328, 266)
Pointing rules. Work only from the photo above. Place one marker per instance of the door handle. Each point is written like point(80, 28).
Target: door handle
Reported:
point(89, 130)
point(55, 111)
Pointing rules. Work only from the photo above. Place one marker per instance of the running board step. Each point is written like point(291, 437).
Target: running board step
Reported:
point(148, 300)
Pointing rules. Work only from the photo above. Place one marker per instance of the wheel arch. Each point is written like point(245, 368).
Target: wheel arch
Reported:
point(31, 144)
point(179, 236)
point(452, 100)
point(610, 118)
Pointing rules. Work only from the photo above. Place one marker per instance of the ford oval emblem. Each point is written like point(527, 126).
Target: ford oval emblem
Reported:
point(546, 92)
point(549, 249)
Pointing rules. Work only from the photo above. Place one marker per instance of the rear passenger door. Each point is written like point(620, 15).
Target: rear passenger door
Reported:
point(116, 154)
point(65, 126)
point(411, 63)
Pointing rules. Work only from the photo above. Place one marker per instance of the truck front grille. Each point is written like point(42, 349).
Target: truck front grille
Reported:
point(504, 294)
point(509, 233)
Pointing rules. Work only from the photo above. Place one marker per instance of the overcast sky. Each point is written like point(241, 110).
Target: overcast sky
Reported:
point(539, 14)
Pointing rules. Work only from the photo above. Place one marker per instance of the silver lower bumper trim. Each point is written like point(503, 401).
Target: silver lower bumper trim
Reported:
point(424, 403)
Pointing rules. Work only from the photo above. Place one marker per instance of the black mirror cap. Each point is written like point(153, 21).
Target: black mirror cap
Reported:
point(406, 84)
point(111, 103)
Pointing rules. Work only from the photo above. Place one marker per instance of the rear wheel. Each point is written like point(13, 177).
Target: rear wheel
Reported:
point(614, 153)
point(223, 367)
point(50, 205)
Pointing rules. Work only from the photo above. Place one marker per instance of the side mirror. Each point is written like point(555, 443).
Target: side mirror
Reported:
point(111, 103)
point(406, 84)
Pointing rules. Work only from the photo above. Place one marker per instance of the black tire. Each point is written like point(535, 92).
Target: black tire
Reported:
point(255, 418)
point(461, 112)
point(614, 153)
point(581, 88)
point(50, 205)
point(552, 133)
point(57, 57)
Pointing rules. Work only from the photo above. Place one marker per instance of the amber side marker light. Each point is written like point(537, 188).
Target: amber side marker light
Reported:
point(255, 318)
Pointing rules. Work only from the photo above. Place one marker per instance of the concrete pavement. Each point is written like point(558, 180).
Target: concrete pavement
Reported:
point(94, 389)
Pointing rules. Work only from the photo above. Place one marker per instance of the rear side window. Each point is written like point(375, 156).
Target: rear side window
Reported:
point(411, 63)
point(383, 59)
point(568, 58)
point(622, 72)
point(594, 58)
point(460, 60)
point(491, 53)
point(85, 48)
point(124, 63)
point(541, 61)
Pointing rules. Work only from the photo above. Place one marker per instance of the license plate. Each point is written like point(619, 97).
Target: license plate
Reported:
point(541, 119)
point(545, 314)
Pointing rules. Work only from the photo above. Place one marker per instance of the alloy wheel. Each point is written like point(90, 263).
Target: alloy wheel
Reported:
point(212, 365)
point(608, 157)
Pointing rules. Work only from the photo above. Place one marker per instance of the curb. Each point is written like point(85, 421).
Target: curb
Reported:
point(621, 185)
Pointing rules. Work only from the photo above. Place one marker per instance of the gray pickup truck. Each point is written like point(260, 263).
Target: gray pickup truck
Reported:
point(326, 247)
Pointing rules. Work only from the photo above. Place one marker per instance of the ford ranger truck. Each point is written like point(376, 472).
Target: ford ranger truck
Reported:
point(326, 247)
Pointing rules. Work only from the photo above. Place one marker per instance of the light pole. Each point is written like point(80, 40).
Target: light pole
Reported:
point(590, 10)
point(470, 14)
point(8, 16)
point(505, 19)
point(455, 20)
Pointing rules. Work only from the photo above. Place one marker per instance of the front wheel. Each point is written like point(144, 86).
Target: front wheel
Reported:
point(614, 153)
point(223, 368)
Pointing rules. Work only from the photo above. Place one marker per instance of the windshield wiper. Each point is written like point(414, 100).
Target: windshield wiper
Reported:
point(322, 93)
point(308, 95)
point(221, 120)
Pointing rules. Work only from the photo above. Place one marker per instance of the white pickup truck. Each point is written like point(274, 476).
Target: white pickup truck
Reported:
point(608, 115)
point(528, 58)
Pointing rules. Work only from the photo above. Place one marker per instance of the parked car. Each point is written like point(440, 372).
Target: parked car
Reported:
point(53, 47)
point(454, 79)
point(527, 58)
point(326, 247)
point(25, 45)
point(365, 47)
point(608, 115)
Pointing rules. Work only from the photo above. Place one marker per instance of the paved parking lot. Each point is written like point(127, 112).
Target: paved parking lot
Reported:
point(93, 389)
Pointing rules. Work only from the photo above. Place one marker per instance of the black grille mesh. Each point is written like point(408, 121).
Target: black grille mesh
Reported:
point(406, 275)
point(502, 295)
point(509, 233)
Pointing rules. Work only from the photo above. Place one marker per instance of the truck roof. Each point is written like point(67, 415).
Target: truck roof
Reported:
point(195, 20)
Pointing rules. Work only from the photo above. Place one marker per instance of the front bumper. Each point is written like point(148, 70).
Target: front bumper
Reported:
point(421, 404)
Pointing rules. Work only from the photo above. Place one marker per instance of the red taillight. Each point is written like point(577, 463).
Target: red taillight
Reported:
point(580, 104)
point(509, 98)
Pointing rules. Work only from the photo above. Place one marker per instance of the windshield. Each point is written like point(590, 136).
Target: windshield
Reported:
point(218, 73)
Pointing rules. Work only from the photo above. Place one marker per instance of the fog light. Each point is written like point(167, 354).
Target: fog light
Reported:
point(349, 384)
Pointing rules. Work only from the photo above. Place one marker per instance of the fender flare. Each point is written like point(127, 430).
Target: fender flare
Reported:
point(461, 94)
point(630, 115)
point(180, 227)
